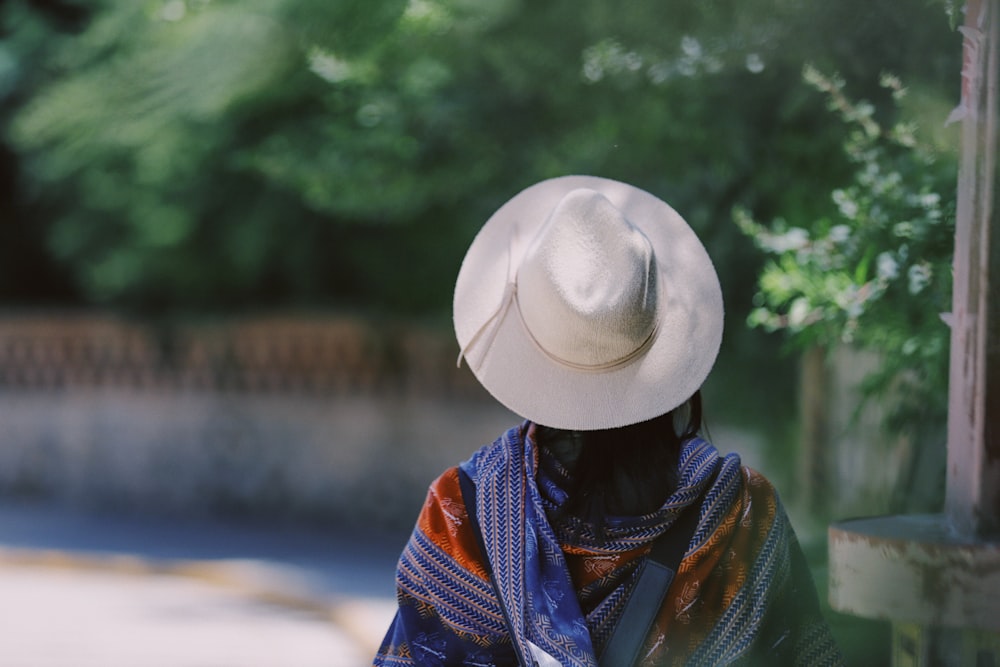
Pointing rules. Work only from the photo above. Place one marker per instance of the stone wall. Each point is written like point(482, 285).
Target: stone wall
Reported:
point(291, 417)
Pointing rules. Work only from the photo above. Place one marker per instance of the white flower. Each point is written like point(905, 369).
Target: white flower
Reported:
point(328, 66)
point(798, 312)
point(848, 207)
point(795, 238)
point(691, 46)
point(919, 277)
point(754, 63)
point(887, 267)
point(930, 199)
point(839, 233)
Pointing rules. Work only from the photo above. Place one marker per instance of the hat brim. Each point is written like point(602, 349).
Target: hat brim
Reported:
point(531, 383)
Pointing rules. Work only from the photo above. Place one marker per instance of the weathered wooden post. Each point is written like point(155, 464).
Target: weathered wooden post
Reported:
point(937, 577)
point(973, 500)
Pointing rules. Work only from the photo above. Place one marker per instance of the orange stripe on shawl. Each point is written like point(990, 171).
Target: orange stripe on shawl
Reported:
point(587, 567)
point(445, 521)
point(709, 579)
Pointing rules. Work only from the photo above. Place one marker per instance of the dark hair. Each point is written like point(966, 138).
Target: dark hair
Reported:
point(622, 471)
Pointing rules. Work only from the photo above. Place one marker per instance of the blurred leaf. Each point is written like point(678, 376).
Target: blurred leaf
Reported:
point(191, 154)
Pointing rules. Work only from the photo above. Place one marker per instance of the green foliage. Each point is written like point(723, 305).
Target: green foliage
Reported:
point(877, 272)
point(182, 155)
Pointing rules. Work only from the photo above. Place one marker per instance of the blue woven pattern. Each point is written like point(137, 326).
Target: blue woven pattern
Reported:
point(527, 561)
point(450, 616)
point(739, 625)
point(464, 602)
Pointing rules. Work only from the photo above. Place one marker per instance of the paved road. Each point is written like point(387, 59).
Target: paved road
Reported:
point(82, 590)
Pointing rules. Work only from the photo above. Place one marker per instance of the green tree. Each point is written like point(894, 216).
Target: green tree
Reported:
point(192, 155)
point(875, 274)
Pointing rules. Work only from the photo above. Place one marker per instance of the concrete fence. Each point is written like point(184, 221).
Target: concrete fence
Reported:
point(301, 355)
point(324, 418)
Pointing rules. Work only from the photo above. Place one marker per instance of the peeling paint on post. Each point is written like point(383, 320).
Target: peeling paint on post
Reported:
point(973, 489)
point(937, 577)
point(914, 569)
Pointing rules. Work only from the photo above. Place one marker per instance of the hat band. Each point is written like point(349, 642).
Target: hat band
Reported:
point(593, 368)
point(492, 325)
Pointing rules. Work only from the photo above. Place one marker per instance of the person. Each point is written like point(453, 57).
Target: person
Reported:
point(589, 307)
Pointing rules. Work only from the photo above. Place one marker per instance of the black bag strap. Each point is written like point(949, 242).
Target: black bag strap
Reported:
point(647, 597)
point(468, 488)
point(650, 591)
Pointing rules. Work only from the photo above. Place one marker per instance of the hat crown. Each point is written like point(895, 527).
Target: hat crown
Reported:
point(587, 285)
point(609, 313)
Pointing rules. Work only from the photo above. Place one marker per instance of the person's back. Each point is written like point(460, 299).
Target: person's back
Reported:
point(590, 308)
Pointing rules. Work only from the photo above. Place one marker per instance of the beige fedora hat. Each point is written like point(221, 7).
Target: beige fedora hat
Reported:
point(585, 303)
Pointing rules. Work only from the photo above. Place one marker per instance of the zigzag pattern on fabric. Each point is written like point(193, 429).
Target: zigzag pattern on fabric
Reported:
point(718, 499)
point(546, 634)
point(542, 631)
point(738, 626)
point(501, 522)
point(552, 640)
point(464, 601)
point(738, 600)
point(596, 593)
point(601, 621)
point(394, 655)
point(501, 472)
point(699, 460)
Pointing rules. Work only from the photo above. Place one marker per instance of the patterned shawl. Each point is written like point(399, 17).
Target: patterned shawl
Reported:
point(742, 594)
